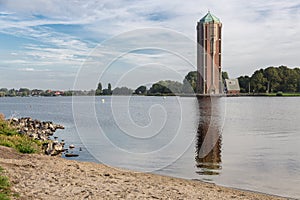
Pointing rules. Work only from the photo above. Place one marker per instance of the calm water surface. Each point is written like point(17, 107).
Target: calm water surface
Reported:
point(247, 143)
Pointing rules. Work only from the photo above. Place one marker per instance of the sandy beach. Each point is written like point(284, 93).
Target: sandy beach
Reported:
point(43, 177)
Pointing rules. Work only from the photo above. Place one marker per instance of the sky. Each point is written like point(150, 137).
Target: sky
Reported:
point(67, 44)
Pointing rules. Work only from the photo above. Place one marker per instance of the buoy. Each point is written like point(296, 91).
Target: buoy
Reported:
point(103, 100)
point(80, 149)
point(72, 146)
point(164, 97)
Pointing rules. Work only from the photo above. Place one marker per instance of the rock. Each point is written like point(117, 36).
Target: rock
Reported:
point(53, 149)
point(55, 142)
point(14, 119)
point(51, 126)
point(34, 136)
point(59, 126)
point(39, 130)
point(58, 147)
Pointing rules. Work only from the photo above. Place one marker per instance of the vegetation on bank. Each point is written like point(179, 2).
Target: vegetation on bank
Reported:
point(9, 137)
point(278, 94)
point(5, 187)
point(272, 81)
point(264, 82)
point(5, 192)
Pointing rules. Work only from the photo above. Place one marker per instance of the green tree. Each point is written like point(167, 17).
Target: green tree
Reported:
point(122, 91)
point(68, 93)
point(109, 88)
point(99, 89)
point(107, 91)
point(244, 82)
point(297, 70)
point(12, 93)
point(24, 91)
point(190, 83)
point(225, 75)
point(273, 78)
point(258, 81)
point(157, 88)
point(3, 92)
point(166, 87)
point(289, 79)
point(141, 90)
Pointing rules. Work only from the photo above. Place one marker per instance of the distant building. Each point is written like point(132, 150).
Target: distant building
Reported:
point(209, 35)
point(232, 86)
point(58, 93)
point(36, 92)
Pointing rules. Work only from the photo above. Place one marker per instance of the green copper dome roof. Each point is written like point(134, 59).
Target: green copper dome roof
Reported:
point(210, 18)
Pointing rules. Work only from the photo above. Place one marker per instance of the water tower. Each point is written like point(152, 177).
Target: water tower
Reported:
point(209, 39)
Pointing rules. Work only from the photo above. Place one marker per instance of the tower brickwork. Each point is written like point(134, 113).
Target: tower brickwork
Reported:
point(209, 57)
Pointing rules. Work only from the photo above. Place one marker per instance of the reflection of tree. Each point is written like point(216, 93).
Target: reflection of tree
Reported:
point(208, 144)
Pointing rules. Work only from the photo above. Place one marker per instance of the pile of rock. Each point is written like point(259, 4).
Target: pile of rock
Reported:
point(40, 130)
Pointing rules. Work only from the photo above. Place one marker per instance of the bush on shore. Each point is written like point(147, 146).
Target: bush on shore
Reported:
point(9, 137)
point(4, 186)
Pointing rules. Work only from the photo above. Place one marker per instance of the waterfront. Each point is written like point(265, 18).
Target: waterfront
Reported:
point(258, 147)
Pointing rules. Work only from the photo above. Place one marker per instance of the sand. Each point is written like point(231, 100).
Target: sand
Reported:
point(44, 177)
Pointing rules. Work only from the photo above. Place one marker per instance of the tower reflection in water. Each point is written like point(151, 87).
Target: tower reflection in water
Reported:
point(209, 140)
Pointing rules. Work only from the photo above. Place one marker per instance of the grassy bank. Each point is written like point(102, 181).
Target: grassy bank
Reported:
point(279, 94)
point(284, 94)
point(4, 186)
point(9, 137)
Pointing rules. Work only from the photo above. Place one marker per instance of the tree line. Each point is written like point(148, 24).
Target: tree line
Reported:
point(24, 92)
point(164, 87)
point(271, 80)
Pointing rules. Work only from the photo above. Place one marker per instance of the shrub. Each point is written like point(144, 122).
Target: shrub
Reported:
point(5, 142)
point(6, 129)
point(21, 143)
point(9, 137)
point(4, 186)
point(25, 148)
point(4, 183)
point(4, 196)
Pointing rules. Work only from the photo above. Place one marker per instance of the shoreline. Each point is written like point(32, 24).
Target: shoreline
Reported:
point(35, 176)
point(172, 95)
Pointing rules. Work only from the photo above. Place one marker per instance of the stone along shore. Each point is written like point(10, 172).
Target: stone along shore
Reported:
point(36, 176)
point(40, 130)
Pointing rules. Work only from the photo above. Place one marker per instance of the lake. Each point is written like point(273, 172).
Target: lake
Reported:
point(250, 143)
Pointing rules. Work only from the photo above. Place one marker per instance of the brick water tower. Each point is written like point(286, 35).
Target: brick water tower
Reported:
point(209, 39)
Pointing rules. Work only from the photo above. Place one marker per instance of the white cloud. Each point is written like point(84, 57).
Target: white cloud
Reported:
point(255, 34)
point(27, 69)
point(30, 69)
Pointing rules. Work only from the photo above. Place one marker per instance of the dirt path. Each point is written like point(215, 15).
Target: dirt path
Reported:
point(44, 177)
